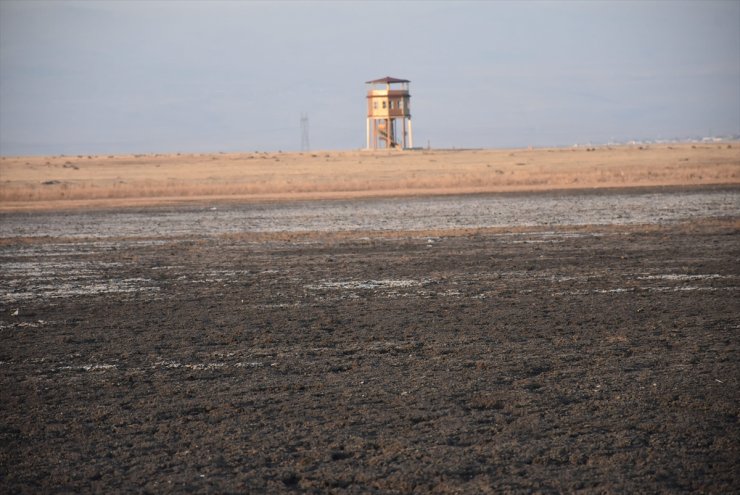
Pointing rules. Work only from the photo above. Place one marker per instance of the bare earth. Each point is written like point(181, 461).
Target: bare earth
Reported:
point(551, 341)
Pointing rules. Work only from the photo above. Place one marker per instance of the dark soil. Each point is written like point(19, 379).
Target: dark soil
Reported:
point(599, 359)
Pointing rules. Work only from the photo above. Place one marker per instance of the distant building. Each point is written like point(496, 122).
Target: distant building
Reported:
point(387, 105)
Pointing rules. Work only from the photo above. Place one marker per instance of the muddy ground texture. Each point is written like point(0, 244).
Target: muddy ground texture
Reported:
point(584, 358)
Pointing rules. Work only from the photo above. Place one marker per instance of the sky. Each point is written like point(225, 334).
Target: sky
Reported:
point(104, 76)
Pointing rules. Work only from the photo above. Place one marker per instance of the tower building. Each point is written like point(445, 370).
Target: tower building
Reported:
point(387, 106)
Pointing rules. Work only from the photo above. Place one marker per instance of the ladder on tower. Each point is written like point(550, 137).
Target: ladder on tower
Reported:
point(383, 133)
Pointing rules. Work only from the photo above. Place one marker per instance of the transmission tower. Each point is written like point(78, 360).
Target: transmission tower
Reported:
point(305, 146)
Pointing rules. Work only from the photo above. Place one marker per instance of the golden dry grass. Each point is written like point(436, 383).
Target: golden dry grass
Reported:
point(125, 180)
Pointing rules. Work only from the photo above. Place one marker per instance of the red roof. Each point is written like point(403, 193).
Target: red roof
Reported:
point(388, 80)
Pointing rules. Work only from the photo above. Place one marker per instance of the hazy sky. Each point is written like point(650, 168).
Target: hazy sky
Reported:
point(133, 76)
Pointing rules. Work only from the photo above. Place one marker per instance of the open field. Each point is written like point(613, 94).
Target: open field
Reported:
point(141, 180)
point(573, 341)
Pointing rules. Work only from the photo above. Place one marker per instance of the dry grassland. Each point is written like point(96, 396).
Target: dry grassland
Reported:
point(128, 180)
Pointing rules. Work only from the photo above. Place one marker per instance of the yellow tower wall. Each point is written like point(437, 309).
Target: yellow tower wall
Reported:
point(383, 103)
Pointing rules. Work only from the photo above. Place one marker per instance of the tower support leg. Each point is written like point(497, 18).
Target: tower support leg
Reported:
point(405, 134)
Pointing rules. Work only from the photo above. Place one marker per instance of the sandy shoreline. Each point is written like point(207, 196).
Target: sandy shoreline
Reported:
point(121, 181)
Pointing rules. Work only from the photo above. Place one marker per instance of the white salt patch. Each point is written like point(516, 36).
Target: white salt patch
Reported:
point(167, 364)
point(89, 367)
point(406, 214)
point(253, 364)
point(689, 288)
point(681, 276)
point(537, 241)
point(646, 289)
point(99, 367)
point(277, 305)
point(80, 288)
point(366, 284)
point(206, 366)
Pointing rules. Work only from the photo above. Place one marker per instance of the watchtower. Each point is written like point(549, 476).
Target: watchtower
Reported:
point(388, 102)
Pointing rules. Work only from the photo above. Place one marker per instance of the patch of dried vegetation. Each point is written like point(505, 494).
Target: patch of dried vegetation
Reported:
point(39, 182)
